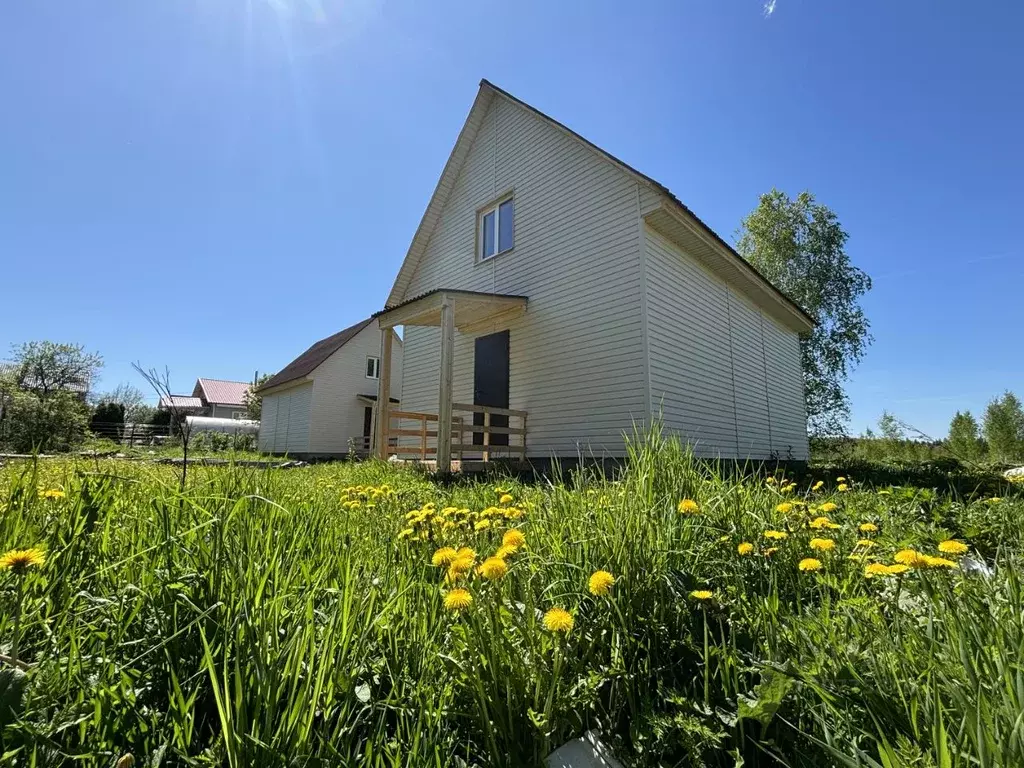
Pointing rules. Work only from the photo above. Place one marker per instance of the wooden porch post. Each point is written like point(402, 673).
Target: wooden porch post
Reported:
point(444, 405)
point(382, 427)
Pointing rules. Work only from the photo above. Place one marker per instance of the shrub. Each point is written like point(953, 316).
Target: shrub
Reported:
point(107, 420)
point(31, 423)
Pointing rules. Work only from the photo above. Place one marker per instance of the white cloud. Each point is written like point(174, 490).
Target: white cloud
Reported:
point(769, 7)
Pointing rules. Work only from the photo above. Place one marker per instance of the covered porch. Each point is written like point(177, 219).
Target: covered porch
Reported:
point(463, 432)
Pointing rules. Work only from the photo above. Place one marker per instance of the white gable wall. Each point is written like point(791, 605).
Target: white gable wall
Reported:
point(577, 362)
point(337, 413)
point(725, 375)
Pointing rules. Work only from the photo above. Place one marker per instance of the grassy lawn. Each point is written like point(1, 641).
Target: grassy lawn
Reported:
point(317, 617)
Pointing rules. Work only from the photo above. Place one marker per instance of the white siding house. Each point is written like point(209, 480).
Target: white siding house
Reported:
point(322, 403)
point(620, 306)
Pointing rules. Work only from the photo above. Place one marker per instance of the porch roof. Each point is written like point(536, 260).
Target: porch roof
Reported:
point(470, 309)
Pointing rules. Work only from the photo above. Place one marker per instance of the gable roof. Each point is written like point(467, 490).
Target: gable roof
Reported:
point(221, 391)
point(485, 96)
point(310, 360)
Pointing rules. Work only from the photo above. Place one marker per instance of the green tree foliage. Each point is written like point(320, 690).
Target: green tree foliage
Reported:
point(1004, 428)
point(253, 400)
point(892, 435)
point(42, 402)
point(132, 400)
point(108, 420)
point(963, 441)
point(46, 367)
point(799, 246)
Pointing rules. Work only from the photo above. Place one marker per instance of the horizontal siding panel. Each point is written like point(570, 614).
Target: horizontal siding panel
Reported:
point(576, 355)
point(718, 378)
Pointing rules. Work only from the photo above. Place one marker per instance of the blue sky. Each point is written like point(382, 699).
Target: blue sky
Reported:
point(167, 163)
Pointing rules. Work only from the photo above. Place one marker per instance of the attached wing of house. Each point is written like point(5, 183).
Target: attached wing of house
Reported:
point(551, 285)
point(323, 402)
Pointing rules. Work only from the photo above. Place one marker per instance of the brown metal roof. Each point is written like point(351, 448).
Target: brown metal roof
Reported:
point(308, 361)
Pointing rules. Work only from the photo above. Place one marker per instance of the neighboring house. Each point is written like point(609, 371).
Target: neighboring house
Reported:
point(323, 402)
point(558, 293)
point(222, 399)
point(216, 398)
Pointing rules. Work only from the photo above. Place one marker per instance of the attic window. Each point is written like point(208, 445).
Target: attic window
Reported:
point(373, 367)
point(497, 229)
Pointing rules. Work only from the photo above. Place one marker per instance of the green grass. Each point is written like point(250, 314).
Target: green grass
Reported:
point(264, 618)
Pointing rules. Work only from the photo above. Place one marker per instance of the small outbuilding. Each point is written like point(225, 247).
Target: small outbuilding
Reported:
point(323, 403)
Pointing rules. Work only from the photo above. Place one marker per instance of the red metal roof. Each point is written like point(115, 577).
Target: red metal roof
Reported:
point(221, 392)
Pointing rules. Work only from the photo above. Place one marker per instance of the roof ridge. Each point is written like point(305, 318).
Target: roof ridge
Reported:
point(730, 251)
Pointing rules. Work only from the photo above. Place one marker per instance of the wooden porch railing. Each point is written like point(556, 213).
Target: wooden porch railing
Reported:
point(516, 444)
point(424, 430)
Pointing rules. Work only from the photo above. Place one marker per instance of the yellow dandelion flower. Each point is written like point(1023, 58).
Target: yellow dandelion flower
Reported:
point(21, 559)
point(406, 533)
point(784, 508)
point(823, 545)
point(513, 538)
point(506, 498)
point(558, 620)
point(840, 479)
point(52, 493)
point(952, 547)
point(842, 487)
point(819, 522)
point(776, 535)
point(458, 600)
point(770, 480)
point(745, 548)
point(443, 557)
point(481, 525)
point(600, 583)
point(867, 528)
point(702, 594)
point(493, 568)
point(876, 569)
point(937, 562)
point(866, 543)
point(910, 557)
point(688, 507)
point(461, 565)
point(828, 506)
point(809, 564)
point(993, 500)
point(770, 551)
point(505, 552)
point(897, 569)
point(787, 488)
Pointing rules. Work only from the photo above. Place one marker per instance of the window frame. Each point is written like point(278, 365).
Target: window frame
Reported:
point(375, 375)
point(494, 207)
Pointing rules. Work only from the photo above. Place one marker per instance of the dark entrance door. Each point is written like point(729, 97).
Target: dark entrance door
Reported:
point(367, 426)
point(490, 382)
